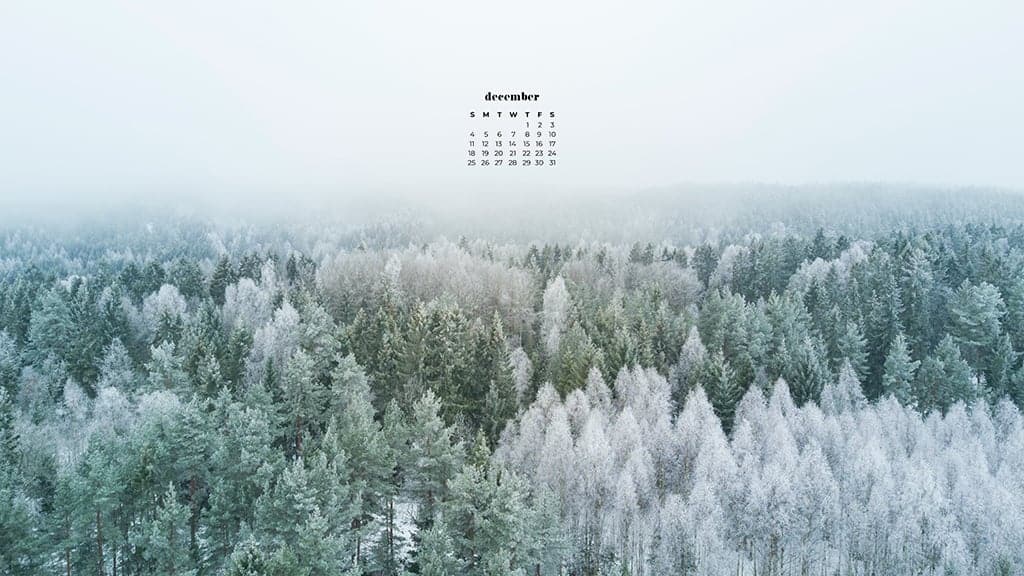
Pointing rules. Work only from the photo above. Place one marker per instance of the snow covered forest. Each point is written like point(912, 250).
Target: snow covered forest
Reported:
point(819, 383)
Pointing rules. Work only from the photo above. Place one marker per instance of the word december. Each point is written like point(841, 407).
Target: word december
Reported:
point(522, 96)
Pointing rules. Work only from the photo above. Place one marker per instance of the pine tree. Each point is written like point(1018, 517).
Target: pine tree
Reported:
point(223, 276)
point(999, 372)
point(484, 516)
point(944, 378)
point(20, 546)
point(51, 329)
point(852, 346)
point(884, 310)
point(117, 369)
point(192, 447)
point(19, 519)
point(303, 397)
point(165, 369)
point(808, 372)
point(898, 377)
point(412, 374)
point(388, 359)
point(847, 394)
point(976, 313)
point(705, 261)
point(282, 512)
point(433, 457)
point(546, 545)
point(396, 434)
point(10, 364)
point(683, 374)
point(165, 539)
point(243, 462)
point(361, 439)
point(9, 451)
point(500, 403)
point(248, 559)
point(436, 555)
point(920, 293)
point(446, 358)
point(232, 365)
point(722, 389)
point(577, 355)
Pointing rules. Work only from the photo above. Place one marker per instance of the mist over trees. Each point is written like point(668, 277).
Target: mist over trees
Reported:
point(831, 387)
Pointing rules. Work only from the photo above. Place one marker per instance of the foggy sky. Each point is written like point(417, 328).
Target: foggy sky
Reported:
point(108, 100)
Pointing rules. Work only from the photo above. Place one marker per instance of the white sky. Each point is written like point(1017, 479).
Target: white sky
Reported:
point(110, 98)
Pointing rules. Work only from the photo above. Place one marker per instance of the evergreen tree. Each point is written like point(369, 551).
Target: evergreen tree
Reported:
point(303, 398)
point(412, 374)
point(898, 378)
point(433, 457)
point(500, 401)
point(165, 369)
point(852, 346)
point(484, 516)
point(360, 438)
point(999, 372)
point(396, 433)
point(117, 369)
point(248, 559)
point(446, 358)
point(20, 545)
point(282, 512)
point(684, 372)
point(51, 329)
point(223, 276)
point(705, 261)
point(922, 300)
point(884, 310)
point(243, 463)
point(19, 551)
point(975, 321)
point(192, 453)
point(165, 539)
point(577, 355)
point(10, 364)
point(9, 450)
point(944, 378)
point(723, 390)
point(436, 553)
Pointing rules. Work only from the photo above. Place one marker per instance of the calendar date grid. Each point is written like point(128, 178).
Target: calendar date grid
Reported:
point(534, 144)
point(510, 137)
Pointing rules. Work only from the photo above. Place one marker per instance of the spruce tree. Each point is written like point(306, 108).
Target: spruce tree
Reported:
point(852, 346)
point(223, 276)
point(898, 376)
point(722, 389)
point(499, 404)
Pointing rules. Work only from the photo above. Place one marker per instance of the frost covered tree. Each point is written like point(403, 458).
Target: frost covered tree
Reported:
point(691, 359)
point(555, 314)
